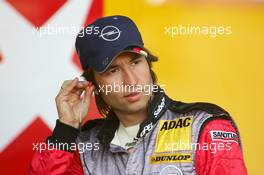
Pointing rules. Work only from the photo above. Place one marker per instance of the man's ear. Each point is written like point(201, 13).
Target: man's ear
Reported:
point(96, 86)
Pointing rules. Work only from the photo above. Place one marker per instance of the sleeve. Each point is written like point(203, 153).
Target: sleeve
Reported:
point(220, 151)
point(59, 155)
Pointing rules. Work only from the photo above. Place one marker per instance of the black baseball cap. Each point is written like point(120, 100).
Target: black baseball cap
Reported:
point(101, 41)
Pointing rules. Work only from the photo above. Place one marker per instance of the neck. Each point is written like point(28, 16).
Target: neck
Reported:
point(130, 119)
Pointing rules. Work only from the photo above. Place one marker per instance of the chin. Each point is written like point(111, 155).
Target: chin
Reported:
point(135, 107)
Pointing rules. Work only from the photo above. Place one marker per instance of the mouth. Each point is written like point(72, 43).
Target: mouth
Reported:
point(132, 97)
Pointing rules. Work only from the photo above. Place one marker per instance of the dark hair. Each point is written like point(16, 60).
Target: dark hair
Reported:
point(102, 107)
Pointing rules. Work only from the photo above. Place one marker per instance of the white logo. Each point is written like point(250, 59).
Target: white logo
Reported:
point(110, 33)
point(160, 107)
point(170, 170)
point(146, 129)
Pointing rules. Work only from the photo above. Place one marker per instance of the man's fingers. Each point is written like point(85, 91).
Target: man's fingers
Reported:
point(80, 87)
point(72, 89)
point(82, 84)
point(68, 86)
point(71, 85)
point(77, 91)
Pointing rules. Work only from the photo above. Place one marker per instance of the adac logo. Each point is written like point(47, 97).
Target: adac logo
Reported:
point(110, 33)
point(177, 123)
point(174, 132)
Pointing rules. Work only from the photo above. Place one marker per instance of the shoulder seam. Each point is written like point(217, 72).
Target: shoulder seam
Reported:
point(180, 107)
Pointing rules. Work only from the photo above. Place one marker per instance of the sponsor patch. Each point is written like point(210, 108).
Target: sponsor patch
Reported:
point(173, 134)
point(170, 158)
point(223, 136)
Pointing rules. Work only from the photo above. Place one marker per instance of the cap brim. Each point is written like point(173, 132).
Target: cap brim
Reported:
point(117, 53)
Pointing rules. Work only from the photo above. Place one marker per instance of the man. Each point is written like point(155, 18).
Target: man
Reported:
point(142, 131)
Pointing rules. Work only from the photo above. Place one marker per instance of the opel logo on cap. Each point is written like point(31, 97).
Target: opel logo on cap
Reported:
point(110, 33)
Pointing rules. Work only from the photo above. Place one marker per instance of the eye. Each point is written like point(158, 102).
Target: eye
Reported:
point(134, 62)
point(112, 71)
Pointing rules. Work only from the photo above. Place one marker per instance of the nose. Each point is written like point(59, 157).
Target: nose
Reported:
point(130, 77)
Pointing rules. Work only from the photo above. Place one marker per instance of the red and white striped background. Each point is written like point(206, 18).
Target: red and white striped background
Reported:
point(32, 68)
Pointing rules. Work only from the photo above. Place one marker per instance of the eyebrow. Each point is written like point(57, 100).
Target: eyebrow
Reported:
point(136, 56)
point(111, 67)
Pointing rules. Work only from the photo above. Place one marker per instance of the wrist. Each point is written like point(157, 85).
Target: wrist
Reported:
point(74, 124)
point(63, 133)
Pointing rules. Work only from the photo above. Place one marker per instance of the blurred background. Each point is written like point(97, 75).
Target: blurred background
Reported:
point(222, 64)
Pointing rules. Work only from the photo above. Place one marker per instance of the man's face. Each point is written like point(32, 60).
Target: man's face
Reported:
point(125, 80)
